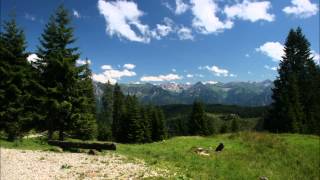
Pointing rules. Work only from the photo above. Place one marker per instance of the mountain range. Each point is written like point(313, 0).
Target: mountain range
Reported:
point(235, 93)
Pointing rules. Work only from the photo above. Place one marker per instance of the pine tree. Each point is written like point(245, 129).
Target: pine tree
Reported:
point(198, 123)
point(57, 67)
point(135, 132)
point(15, 82)
point(146, 125)
point(119, 126)
point(296, 93)
point(106, 114)
point(158, 131)
point(84, 107)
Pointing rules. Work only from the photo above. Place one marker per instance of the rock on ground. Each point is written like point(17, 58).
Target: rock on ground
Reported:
point(27, 164)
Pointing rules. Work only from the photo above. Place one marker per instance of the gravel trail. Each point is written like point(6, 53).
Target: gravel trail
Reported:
point(42, 165)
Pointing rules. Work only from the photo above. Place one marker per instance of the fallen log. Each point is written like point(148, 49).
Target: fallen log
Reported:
point(83, 145)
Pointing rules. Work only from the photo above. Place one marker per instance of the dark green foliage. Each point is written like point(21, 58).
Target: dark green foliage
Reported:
point(158, 131)
point(119, 126)
point(235, 126)
point(198, 124)
point(16, 83)
point(133, 121)
point(296, 103)
point(57, 56)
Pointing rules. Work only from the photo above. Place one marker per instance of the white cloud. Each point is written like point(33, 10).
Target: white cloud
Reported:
point(83, 61)
point(205, 19)
point(185, 33)
point(129, 66)
point(316, 57)
point(106, 67)
point(190, 75)
point(76, 13)
point(163, 30)
point(121, 17)
point(159, 78)
point(247, 55)
point(217, 71)
point(32, 58)
point(112, 75)
point(270, 68)
point(181, 7)
point(252, 11)
point(301, 8)
point(173, 70)
point(30, 17)
point(272, 49)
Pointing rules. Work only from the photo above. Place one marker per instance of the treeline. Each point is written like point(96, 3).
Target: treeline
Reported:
point(296, 95)
point(51, 93)
point(130, 121)
point(243, 111)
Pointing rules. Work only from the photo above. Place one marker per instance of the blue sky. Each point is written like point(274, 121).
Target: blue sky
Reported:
point(176, 40)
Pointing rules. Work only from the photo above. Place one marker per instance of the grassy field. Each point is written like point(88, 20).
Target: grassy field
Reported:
point(246, 155)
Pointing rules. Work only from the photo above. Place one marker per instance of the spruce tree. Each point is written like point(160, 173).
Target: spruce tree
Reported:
point(158, 131)
point(198, 122)
point(58, 69)
point(84, 107)
point(146, 125)
point(295, 106)
point(15, 82)
point(135, 133)
point(119, 125)
point(106, 113)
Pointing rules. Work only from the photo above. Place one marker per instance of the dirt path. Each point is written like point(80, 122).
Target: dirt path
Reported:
point(27, 164)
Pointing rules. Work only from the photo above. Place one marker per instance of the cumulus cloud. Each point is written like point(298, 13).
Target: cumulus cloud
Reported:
point(270, 68)
point(205, 17)
point(106, 67)
point(112, 75)
point(181, 7)
point(301, 8)
point(272, 49)
point(122, 17)
point(217, 71)
point(252, 11)
point(129, 66)
point(159, 78)
point(32, 58)
point(164, 29)
point(275, 50)
point(76, 13)
point(185, 33)
point(316, 57)
point(83, 61)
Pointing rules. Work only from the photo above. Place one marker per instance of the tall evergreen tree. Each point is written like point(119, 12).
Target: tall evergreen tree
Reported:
point(84, 111)
point(58, 69)
point(198, 122)
point(119, 125)
point(15, 82)
point(135, 133)
point(158, 131)
point(146, 125)
point(106, 113)
point(296, 93)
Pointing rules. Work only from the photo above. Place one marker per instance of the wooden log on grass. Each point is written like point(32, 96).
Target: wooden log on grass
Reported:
point(83, 145)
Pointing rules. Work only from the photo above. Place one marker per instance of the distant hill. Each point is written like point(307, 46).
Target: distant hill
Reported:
point(233, 93)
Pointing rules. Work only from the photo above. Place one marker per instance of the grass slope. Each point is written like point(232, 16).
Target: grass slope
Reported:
point(247, 155)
